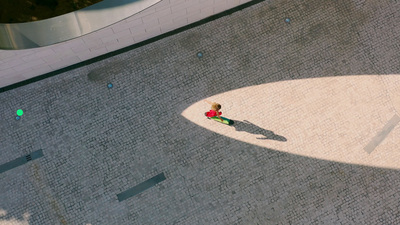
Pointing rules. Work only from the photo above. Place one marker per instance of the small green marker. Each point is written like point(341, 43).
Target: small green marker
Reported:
point(20, 112)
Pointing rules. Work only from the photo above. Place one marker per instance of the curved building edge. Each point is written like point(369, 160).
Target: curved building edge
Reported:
point(69, 26)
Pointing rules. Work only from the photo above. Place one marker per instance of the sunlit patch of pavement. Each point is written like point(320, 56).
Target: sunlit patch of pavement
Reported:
point(12, 220)
point(330, 118)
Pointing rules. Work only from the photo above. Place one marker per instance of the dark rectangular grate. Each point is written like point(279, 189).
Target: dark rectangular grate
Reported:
point(141, 187)
point(20, 161)
point(382, 134)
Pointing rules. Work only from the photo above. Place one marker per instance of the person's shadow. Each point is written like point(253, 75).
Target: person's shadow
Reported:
point(254, 129)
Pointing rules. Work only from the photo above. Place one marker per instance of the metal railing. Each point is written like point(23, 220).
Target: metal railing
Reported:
point(68, 26)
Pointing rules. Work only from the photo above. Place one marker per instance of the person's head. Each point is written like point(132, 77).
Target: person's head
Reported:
point(215, 106)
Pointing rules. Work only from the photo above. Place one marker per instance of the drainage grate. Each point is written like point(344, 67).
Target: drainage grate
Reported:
point(20, 161)
point(141, 187)
point(382, 134)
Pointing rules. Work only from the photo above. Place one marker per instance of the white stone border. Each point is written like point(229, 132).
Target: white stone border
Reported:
point(167, 15)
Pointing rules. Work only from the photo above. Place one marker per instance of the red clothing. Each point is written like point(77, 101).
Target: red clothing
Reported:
point(212, 113)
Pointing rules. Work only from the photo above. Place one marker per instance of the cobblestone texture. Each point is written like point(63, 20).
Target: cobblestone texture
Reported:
point(98, 142)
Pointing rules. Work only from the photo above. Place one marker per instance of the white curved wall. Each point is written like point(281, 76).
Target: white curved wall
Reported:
point(167, 15)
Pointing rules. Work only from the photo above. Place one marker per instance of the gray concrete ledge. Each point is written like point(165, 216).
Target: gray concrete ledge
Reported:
point(167, 15)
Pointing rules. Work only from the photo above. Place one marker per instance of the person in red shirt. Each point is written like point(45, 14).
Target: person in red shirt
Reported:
point(215, 107)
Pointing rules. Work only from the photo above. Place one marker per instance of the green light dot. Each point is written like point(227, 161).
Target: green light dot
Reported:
point(20, 112)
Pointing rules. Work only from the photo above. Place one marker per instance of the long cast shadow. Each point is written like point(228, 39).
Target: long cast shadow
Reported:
point(251, 128)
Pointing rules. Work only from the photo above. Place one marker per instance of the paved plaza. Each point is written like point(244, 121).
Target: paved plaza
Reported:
point(315, 100)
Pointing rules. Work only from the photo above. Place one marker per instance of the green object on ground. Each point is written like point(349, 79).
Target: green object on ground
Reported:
point(20, 112)
point(226, 120)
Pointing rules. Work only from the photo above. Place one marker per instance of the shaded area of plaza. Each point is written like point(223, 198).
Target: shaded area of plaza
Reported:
point(98, 141)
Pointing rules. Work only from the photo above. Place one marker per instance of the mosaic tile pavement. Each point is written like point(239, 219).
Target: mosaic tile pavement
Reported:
point(98, 142)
